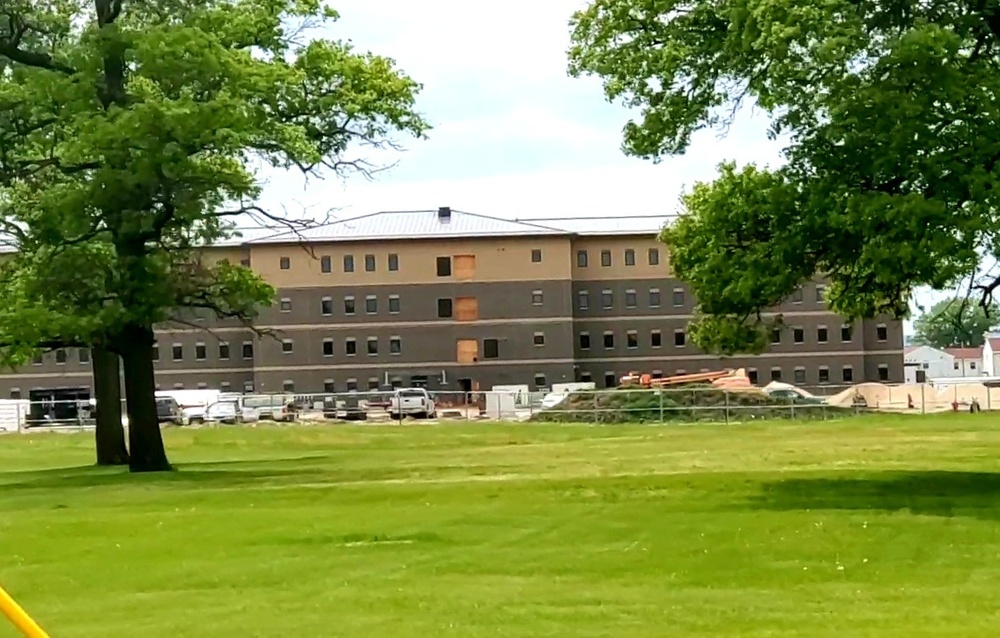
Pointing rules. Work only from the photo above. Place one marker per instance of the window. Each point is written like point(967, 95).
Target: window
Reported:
point(581, 259)
point(286, 304)
point(631, 301)
point(797, 295)
point(799, 375)
point(798, 335)
point(654, 297)
point(373, 383)
point(539, 339)
point(371, 304)
point(607, 299)
point(609, 340)
point(202, 385)
point(327, 347)
point(536, 255)
point(83, 354)
point(629, 257)
point(352, 385)
point(882, 332)
point(824, 374)
point(393, 304)
point(444, 266)
point(349, 306)
point(845, 333)
point(223, 351)
point(156, 351)
point(178, 352)
point(585, 377)
point(654, 256)
point(285, 263)
point(248, 386)
point(972, 365)
point(287, 346)
point(348, 263)
point(680, 339)
point(847, 374)
point(775, 374)
point(444, 308)
point(326, 264)
point(752, 375)
point(200, 352)
point(329, 387)
point(248, 349)
point(655, 339)
point(883, 372)
point(821, 334)
point(540, 380)
point(393, 262)
point(606, 258)
point(584, 341)
point(288, 385)
point(15, 393)
point(610, 380)
point(245, 262)
point(537, 298)
point(395, 345)
point(631, 339)
point(678, 297)
point(776, 335)
point(657, 374)
point(326, 306)
point(61, 356)
point(955, 365)
point(369, 263)
point(583, 300)
point(178, 386)
point(821, 293)
point(350, 347)
point(491, 349)
point(372, 346)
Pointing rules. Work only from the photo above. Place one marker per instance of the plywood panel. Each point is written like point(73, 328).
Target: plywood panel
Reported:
point(466, 309)
point(468, 350)
point(464, 267)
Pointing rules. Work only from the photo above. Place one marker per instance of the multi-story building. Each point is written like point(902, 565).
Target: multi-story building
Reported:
point(456, 300)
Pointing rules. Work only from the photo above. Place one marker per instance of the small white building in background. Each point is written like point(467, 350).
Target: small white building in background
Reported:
point(923, 363)
point(991, 354)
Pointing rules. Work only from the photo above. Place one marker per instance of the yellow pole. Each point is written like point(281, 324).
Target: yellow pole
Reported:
point(19, 617)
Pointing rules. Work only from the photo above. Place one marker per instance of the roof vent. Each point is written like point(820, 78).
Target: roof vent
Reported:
point(444, 213)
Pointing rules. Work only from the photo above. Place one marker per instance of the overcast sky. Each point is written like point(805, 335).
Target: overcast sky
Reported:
point(513, 135)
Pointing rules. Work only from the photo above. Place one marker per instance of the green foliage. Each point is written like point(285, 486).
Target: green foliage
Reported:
point(889, 110)
point(129, 133)
point(955, 322)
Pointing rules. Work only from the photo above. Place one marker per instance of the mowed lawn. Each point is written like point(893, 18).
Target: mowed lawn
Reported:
point(882, 526)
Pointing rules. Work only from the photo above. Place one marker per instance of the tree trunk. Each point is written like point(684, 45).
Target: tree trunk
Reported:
point(109, 435)
point(145, 441)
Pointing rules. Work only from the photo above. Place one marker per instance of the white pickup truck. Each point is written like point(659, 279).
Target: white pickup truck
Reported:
point(415, 402)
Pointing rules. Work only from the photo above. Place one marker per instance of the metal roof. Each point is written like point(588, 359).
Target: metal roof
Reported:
point(609, 225)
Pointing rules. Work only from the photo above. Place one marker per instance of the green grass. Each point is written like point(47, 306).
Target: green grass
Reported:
point(876, 526)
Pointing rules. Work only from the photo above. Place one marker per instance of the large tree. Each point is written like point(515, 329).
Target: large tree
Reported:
point(889, 111)
point(956, 322)
point(129, 132)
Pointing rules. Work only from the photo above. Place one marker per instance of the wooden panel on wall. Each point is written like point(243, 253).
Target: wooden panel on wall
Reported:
point(464, 266)
point(466, 309)
point(468, 350)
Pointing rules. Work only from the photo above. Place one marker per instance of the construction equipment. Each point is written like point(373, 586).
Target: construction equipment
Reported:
point(722, 379)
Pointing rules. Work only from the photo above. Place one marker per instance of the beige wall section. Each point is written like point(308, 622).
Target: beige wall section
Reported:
point(497, 259)
point(618, 245)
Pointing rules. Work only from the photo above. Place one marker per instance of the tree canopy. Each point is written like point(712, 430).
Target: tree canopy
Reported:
point(129, 137)
point(890, 113)
point(955, 322)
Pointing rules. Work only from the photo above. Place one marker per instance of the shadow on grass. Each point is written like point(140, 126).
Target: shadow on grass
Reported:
point(214, 473)
point(929, 493)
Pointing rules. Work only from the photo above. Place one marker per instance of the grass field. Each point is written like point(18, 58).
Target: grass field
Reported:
point(876, 526)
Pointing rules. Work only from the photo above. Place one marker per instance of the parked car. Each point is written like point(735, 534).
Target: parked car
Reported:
point(796, 398)
point(415, 402)
point(169, 411)
point(223, 412)
point(273, 407)
point(349, 407)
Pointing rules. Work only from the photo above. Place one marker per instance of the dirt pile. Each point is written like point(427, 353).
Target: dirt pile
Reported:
point(686, 404)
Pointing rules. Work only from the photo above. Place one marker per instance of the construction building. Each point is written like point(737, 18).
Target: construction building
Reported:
point(454, 300)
